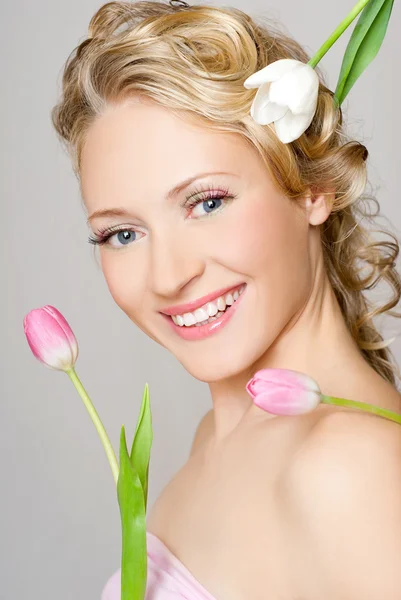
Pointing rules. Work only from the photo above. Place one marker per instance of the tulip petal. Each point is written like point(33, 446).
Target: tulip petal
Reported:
point(272, 72)
point(48, 340)
point(282, 378)
point(298, 89)
point(284, 392)
point(287, 401)
point(307, 91)
point(65, 327)
point(263, 111)
point(291, 127)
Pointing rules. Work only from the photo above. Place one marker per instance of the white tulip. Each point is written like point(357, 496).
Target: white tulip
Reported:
point(287, 95)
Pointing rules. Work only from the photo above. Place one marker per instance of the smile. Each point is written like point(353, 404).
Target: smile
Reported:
point(209, 318)
point(209, 311)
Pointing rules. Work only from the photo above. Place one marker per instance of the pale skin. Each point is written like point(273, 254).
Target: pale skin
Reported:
point(266, 507)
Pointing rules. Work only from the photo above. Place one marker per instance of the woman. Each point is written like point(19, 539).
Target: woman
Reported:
point(204, 216)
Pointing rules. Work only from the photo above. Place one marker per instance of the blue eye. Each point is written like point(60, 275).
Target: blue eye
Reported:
point(210, 202)
point(209, 205)
point(125, 236)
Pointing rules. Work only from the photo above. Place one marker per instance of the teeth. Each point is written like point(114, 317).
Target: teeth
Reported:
point(221, 303)
point(210, 319)
point(211, 310)
point(229, 299)
point(201, 315)
point(189, 319)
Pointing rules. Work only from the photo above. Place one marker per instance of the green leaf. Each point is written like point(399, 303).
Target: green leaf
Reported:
point(142, 443)
point(363, 45)
point(133, 522)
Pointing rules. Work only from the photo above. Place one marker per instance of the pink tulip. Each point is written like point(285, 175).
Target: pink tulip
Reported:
point(284, 392)
point(51, 338)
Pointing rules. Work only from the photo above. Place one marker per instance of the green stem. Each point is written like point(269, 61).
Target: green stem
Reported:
point(339, 31)
point(96, 421)
point(382, 412)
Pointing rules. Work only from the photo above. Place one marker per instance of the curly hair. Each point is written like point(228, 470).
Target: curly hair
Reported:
point(194, 61)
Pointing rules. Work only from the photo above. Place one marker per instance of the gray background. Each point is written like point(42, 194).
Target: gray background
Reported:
point(59, 519)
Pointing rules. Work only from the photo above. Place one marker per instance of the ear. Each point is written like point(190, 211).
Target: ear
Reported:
point(318, 206)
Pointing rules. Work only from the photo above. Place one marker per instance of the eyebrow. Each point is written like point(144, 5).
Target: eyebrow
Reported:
point(123, 212)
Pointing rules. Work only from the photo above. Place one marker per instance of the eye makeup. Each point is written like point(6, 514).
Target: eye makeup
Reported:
point(196, 197)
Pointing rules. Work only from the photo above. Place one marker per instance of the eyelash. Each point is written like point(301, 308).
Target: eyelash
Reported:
point(211, 194)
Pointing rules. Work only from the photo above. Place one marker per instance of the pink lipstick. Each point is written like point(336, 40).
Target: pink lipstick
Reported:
point(199, 332)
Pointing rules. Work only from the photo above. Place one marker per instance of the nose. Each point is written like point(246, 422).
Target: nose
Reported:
point(174, 263)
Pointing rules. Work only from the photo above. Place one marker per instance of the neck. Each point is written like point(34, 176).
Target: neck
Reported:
point(316, 342)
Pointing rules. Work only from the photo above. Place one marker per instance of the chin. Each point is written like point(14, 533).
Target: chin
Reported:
point(213, 369)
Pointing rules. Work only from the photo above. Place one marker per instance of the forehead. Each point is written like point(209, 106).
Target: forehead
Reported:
point(143, 145)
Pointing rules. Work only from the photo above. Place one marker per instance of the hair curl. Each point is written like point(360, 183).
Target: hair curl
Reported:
point(194, 61)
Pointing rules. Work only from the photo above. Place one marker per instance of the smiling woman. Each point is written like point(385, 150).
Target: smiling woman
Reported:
point(248, 253)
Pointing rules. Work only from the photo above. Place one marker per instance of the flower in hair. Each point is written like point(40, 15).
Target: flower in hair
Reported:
point(288, 89)
point(287, 96)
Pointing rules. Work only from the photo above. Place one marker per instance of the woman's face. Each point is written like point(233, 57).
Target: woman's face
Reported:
point(241, 231)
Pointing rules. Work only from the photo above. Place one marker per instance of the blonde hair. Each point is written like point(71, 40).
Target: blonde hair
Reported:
point(194, 61)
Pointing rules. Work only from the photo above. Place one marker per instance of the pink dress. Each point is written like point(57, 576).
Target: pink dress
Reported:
point(167, 579)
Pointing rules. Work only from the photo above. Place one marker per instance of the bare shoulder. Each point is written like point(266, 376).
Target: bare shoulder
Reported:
point(347, 446)
point(203, 431)
point(344, 486)
point(349, 431)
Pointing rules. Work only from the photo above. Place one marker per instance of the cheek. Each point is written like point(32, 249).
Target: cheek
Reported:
point(265, 236)
point(124, 282)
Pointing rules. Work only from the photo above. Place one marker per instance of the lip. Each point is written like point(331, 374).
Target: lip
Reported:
point(180, 309)
point(202, 331)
